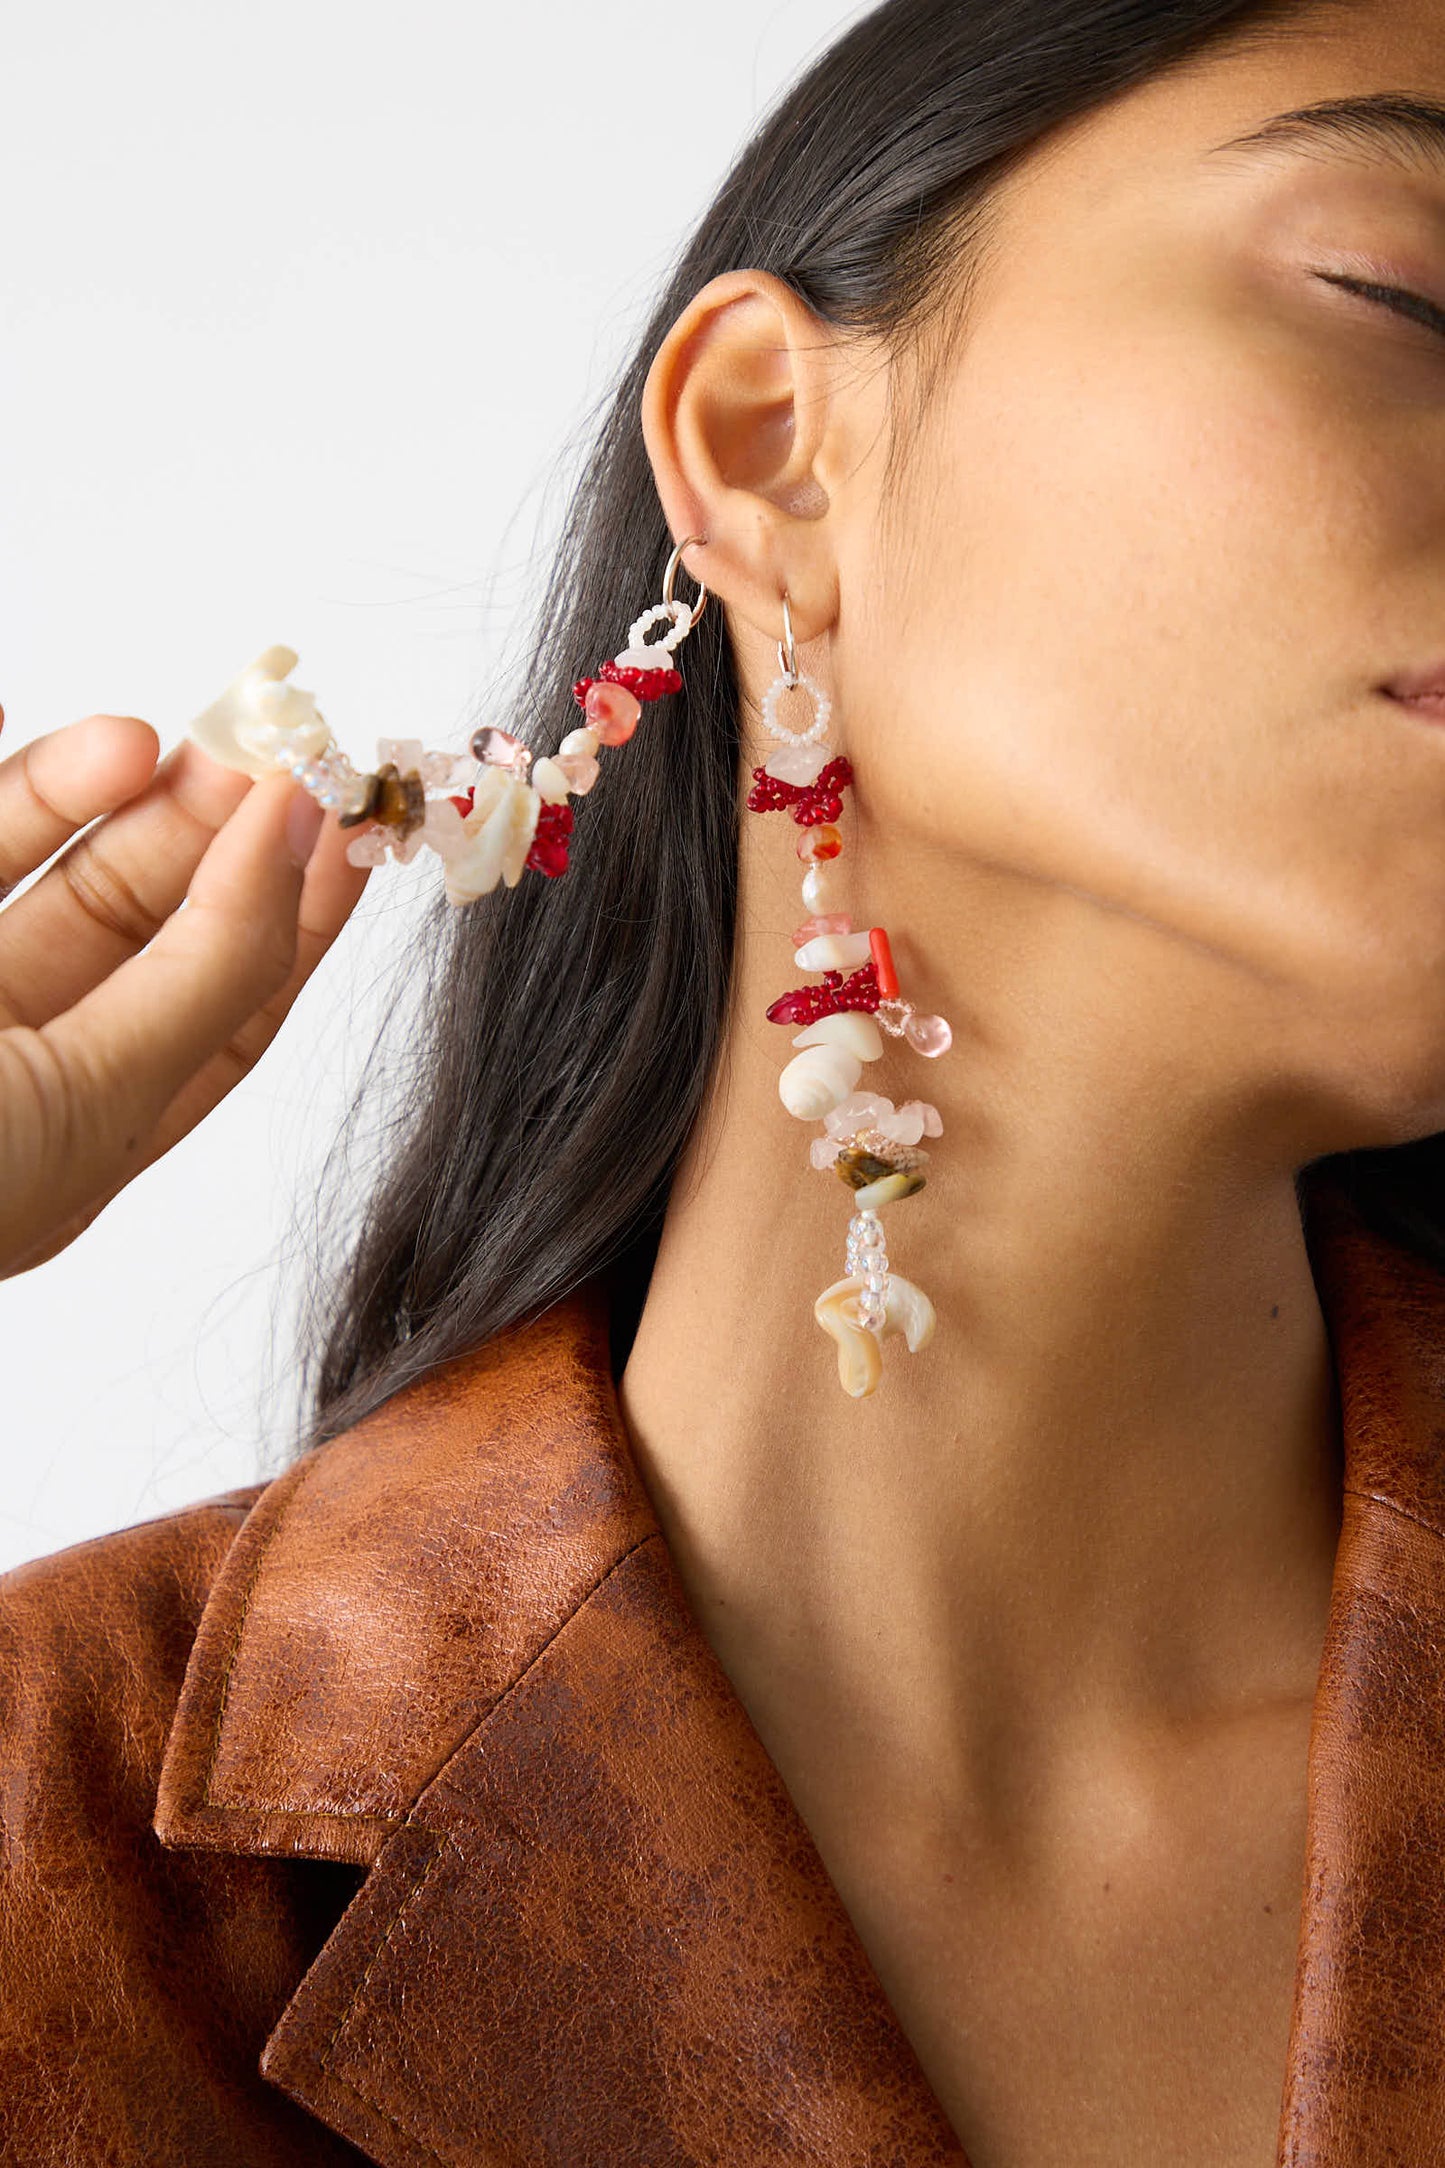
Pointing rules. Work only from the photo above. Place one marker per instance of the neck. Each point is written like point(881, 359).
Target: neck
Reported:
point(1105, 1498)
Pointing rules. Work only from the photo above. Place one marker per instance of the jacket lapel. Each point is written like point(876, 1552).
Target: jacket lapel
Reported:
point(1365, 2086)
point(451, 1646)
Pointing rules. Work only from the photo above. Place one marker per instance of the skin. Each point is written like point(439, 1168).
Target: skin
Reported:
point(1033, 1632)
point(124, 1020)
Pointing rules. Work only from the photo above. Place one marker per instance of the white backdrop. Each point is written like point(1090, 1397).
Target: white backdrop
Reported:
point(301, 303)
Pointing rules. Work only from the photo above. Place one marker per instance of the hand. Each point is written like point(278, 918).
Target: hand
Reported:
point(123, 1019)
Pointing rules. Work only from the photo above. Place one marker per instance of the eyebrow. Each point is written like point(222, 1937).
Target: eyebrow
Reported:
point(1382, 124)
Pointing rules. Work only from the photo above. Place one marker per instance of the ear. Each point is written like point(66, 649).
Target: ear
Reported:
point(744, 421)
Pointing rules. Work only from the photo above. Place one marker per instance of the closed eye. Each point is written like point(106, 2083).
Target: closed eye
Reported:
point(1398, 298)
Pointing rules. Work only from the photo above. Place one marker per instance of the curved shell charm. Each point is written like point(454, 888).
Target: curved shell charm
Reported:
point(853, 1028)
point(819, 1078)
point(833, 952)
point(860, 1357)
point(496, 836)
point(260, 720)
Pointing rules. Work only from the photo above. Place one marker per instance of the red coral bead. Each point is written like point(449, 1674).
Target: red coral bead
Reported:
point(806, 1004)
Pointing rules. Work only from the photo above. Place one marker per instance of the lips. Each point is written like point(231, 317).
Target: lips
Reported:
point(1420, 688)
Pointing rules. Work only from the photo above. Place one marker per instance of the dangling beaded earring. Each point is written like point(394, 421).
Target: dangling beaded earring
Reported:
point(513, 812)
point(871, 1143)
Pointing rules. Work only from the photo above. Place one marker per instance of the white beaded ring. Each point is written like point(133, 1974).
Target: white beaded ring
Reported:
point(678, 614)
point(823, 708)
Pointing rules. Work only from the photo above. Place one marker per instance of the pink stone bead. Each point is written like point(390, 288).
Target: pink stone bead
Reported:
point(928, 1034)
point(832, 922)
point(612, 711)
point(580, 769)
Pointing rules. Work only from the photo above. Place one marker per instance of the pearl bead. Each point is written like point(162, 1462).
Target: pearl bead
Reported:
point(820, 886)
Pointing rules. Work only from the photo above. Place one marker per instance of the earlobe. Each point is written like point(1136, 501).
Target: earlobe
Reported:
point(735, 412)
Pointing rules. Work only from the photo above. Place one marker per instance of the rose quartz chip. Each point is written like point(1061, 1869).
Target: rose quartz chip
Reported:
point(798, 763)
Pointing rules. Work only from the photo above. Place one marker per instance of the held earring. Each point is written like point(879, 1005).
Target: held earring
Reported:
point(870, 1143)
point(513, 811)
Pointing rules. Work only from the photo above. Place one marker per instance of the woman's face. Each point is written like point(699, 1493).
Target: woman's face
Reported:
point(1175, 515)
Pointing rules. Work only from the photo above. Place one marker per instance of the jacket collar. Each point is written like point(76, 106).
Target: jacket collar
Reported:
point(451, 1646)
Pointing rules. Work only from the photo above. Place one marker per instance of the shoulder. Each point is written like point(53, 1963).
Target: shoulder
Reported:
point(100, 1633)
point(140, 1983)
point(94, 1643)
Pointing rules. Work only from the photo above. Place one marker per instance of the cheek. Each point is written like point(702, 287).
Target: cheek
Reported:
point(1129, 645)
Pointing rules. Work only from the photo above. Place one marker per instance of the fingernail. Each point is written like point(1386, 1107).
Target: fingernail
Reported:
point(303, 826)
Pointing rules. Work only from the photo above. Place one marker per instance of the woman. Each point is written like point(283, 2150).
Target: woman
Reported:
point(606, 1741)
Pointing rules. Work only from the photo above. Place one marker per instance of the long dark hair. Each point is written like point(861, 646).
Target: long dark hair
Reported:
point(552, 1068)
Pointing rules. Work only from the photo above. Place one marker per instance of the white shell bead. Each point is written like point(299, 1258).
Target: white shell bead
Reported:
point(853, 1028)
point(833, 952)
point(860, 1359)
point(817, 1079)
point(282, 722)
point(886, 1189)
point(496, 836)
point(549, 781)
point(580, 741)
point(224, 728)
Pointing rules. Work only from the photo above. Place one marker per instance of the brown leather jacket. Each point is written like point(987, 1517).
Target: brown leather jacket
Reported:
point(396, 1810)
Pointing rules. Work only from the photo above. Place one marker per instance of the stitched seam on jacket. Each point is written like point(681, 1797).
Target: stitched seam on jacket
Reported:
point(449, 1842)
point(324, 1814)
point(219, 1805)
point(446, 2160)
point(1377, 1498)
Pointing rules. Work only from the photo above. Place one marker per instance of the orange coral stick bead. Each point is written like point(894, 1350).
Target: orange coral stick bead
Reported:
point(883, 962)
